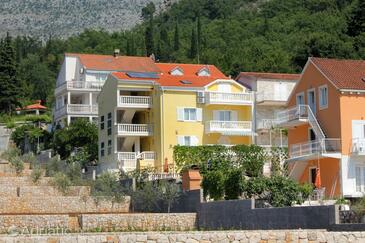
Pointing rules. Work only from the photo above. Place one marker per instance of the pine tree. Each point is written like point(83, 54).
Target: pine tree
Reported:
point(193, 44)
point(149, 38)
point(9, 84)
point(199, 28)
point(164, 45)
point(357, 21)
point(176, 38)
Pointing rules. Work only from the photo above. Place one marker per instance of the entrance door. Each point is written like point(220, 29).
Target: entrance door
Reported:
point(312, 100)
point(312, 175)
point(312, 138)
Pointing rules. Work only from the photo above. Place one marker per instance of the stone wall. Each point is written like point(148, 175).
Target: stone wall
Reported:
point(197, 236)
point(41, 191)
point(22, 222)
point(139, 222)
point(60, 205)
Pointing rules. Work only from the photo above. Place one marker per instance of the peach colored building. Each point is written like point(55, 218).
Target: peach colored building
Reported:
point(326, 126)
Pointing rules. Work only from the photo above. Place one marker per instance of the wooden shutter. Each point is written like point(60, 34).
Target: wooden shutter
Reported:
point(199, 114)
point(180, 113)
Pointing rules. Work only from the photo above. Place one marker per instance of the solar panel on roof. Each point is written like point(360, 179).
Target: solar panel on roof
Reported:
point(185, 82)
point(142, 75)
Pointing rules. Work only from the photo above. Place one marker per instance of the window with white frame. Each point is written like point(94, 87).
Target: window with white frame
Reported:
point(300, 98)
point(360, 178)
point(323, 97)
point(187, 140)
point(189, 114)
point(225, 115)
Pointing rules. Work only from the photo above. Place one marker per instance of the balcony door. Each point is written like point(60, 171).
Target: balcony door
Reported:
point(358, 135)
point(312, 100)
point(225, 115)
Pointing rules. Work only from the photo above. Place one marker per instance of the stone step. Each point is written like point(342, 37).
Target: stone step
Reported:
point(61, 205)
point(42, 191)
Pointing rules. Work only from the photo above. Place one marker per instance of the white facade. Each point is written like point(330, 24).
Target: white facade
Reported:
point(271, 97)
point(76, 91)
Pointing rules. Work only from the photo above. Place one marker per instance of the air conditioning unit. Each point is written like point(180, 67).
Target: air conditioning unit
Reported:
point(200, 97)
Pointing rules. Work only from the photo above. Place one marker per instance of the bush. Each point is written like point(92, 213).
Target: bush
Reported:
point(54, 165)
point(10, 153)
point(61, 182)
point(233, 184)
point(213, 184)
point(36, 174)
point(107, 186)
point(18, 164)
point(359, 208)
point(29, 158)
point(147, 198)
point(170, 191)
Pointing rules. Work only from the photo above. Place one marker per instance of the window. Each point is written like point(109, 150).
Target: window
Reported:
point(102, 149)
point(187, 140)
point(323, 97)
point(360, 178)
point(300, 98)
point(109, 147)
point(189, 114)
point(109, 123)
point(102, 123)
point(225, 116)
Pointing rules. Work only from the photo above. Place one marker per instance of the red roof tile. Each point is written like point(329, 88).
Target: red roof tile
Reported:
point(190, 74)
point(279, 76)
point(344, 74)
point(119, 63)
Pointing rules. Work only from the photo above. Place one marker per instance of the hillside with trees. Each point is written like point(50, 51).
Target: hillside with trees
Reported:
point(235, 35)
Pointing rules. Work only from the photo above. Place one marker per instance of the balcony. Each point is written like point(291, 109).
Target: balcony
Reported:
point(271, 98)
point(266, 124)
point(328, 147)
point(358, 146)
point(135, 130)
point(222, 98)
point(292, 117)
point(76, 109)
point(233, 128)
point(128, 160)
point(139, 102)
point(80, 86)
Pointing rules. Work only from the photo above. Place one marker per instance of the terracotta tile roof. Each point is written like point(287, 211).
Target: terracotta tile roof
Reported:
point(190, 75)
point(344, 74)
point(119, 63)
point(36, 106)
point(280, 76)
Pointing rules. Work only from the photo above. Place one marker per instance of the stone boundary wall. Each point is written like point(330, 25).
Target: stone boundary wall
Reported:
point(42, 191)
point(197, 236)
point(32, 222)
point(22, 181)
point(60, 205)
point(139, 222)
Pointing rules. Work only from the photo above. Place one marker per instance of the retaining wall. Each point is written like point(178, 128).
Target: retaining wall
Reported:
point(42, 191)
point(60, 205)
point(139, 222)
point(240, 214)
point(196, 237)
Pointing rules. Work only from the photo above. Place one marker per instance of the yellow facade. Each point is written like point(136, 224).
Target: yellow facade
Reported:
point(163, 116)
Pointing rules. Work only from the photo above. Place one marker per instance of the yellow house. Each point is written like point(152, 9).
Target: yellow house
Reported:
point(142, 116)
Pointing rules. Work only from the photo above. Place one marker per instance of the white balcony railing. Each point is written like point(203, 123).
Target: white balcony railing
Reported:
point(228, 98)
point(266, 124)
point(135, 101)
point(80, 85)
point(229, 127)
point(76, 109)
point(292, 114)
point(163, 176)
point(127, 155)
point(263, 96)
point(135, 129)
point(147, 155)
point(358, 146)
point(323, 146)
point(128, 160)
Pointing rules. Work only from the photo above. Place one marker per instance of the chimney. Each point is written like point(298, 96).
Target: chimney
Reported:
point(116, 52)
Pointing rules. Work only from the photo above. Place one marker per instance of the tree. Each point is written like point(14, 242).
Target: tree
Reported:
point(169, 193)
point(10, 91)
point(176, 37)
point(149, 41)
point(193, 44)
point(79, 134)
point(148, 11)
point(357, 20)
point(199, 37)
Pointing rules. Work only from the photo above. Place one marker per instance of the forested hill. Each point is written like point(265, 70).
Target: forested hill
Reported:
point(235, 35)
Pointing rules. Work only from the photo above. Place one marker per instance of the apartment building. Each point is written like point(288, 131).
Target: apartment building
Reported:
point(326, 122)
point(272, 92)
point(81, 78)
point(142, 116)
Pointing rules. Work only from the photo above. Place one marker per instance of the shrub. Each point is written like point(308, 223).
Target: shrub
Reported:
point(306, 190)
point(251, 159)
point(359, 208)
point(17, 164)
point(233, 184)
point(54, 165)
point(61, 182)
point(29, 158)
point(107, 185)
point(146, 198)
point(10, 153)
point(169, 191)
point(36, 174)
point(213, 184)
